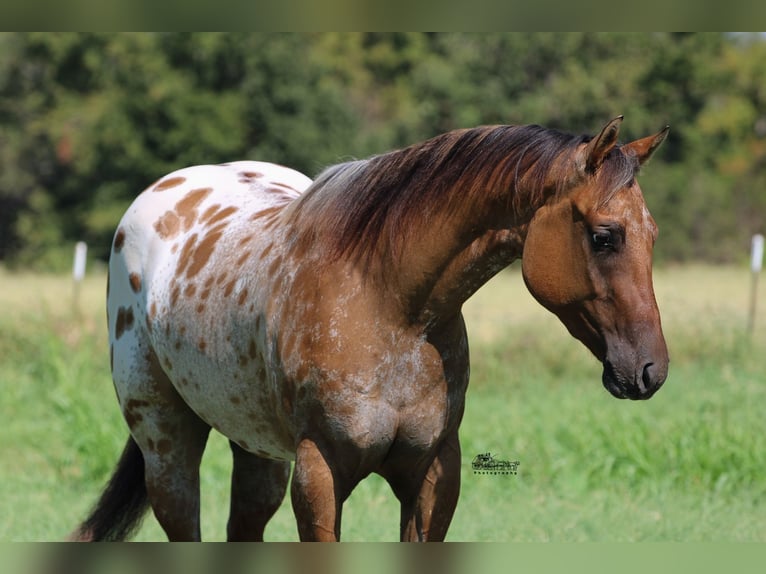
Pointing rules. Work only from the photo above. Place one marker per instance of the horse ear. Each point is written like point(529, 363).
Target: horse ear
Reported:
point(644, 148)
point(597, 149)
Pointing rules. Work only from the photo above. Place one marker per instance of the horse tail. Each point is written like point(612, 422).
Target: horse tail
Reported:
point(123, 502)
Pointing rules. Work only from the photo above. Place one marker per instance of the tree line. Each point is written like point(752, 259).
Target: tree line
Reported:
point(88, 120)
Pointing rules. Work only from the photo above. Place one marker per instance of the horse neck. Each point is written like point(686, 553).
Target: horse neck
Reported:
point(443, 264)
point(434, 222)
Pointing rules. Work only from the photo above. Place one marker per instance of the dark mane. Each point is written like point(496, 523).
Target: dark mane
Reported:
point(375, 203)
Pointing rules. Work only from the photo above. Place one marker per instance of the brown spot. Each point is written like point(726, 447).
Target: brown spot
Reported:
point(267, 250)
point(221, 215)
point(265, 213)
point(242, 360)
point(119, 240)
point(174, 295)
point(229, 287)
point(178, 345)
point(124, 321)
point(164, 446)
point(168, 225)
point(205, 294)
point(204, 250)
point(285, 187)
point(174, 249)
point(184, 381)
point(168, 364)
point(279, 195)
point(135, 282)
point(209, 212)
point(221, 278)
point(200, 308)
point(269, 223)
point(185, 256)
point(190, 290)
point(243, 258)
point(135, 403)
point(168, 183)
point(244, 240)
point(202, 345)
point(242, 297)
point(249, 175)
point(132, 417)
point(182, 330)
point(187, 207)
point(153, 310)
point(235, 400)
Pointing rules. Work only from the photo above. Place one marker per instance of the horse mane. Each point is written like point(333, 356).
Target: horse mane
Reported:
point(362, 205)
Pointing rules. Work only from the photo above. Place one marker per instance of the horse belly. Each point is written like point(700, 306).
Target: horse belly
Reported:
point(241, 404)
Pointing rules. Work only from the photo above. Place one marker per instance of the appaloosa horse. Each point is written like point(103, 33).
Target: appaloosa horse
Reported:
point(321, 322)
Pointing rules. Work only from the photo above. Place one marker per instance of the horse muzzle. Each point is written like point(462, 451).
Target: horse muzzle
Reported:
point(635, 384)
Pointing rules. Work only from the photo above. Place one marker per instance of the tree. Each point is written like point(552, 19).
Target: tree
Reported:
point(88, 120)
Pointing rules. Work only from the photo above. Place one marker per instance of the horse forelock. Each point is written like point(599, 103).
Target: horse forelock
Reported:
point(618, 171)
point(360, 207)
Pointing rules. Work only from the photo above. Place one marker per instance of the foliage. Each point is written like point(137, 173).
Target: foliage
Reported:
point(87, 120)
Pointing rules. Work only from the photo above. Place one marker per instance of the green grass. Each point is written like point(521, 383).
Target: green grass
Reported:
point(687, 465)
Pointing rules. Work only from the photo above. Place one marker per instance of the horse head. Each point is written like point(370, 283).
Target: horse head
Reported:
point(588, 259)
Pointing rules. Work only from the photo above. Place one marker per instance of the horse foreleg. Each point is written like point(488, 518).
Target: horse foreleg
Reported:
point(258, 486)
point(427, 513)
point(314, 494)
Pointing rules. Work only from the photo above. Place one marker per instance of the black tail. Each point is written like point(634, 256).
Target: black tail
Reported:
point(123, 503)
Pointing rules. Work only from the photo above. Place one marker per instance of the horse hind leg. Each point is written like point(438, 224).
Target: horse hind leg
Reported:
point(172, 439)
point(258, 486)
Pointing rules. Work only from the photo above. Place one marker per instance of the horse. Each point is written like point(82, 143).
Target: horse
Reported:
point(319, 323)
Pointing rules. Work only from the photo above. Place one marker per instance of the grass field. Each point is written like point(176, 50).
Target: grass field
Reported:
point(688, 465)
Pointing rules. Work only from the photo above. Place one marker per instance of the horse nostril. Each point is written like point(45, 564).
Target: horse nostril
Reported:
point(649, 376)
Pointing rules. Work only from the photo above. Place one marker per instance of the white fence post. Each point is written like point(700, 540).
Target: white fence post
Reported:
point(78, 273)
point(756, 263)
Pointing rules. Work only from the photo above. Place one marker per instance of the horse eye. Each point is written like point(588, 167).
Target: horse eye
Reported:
point(602, 240)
